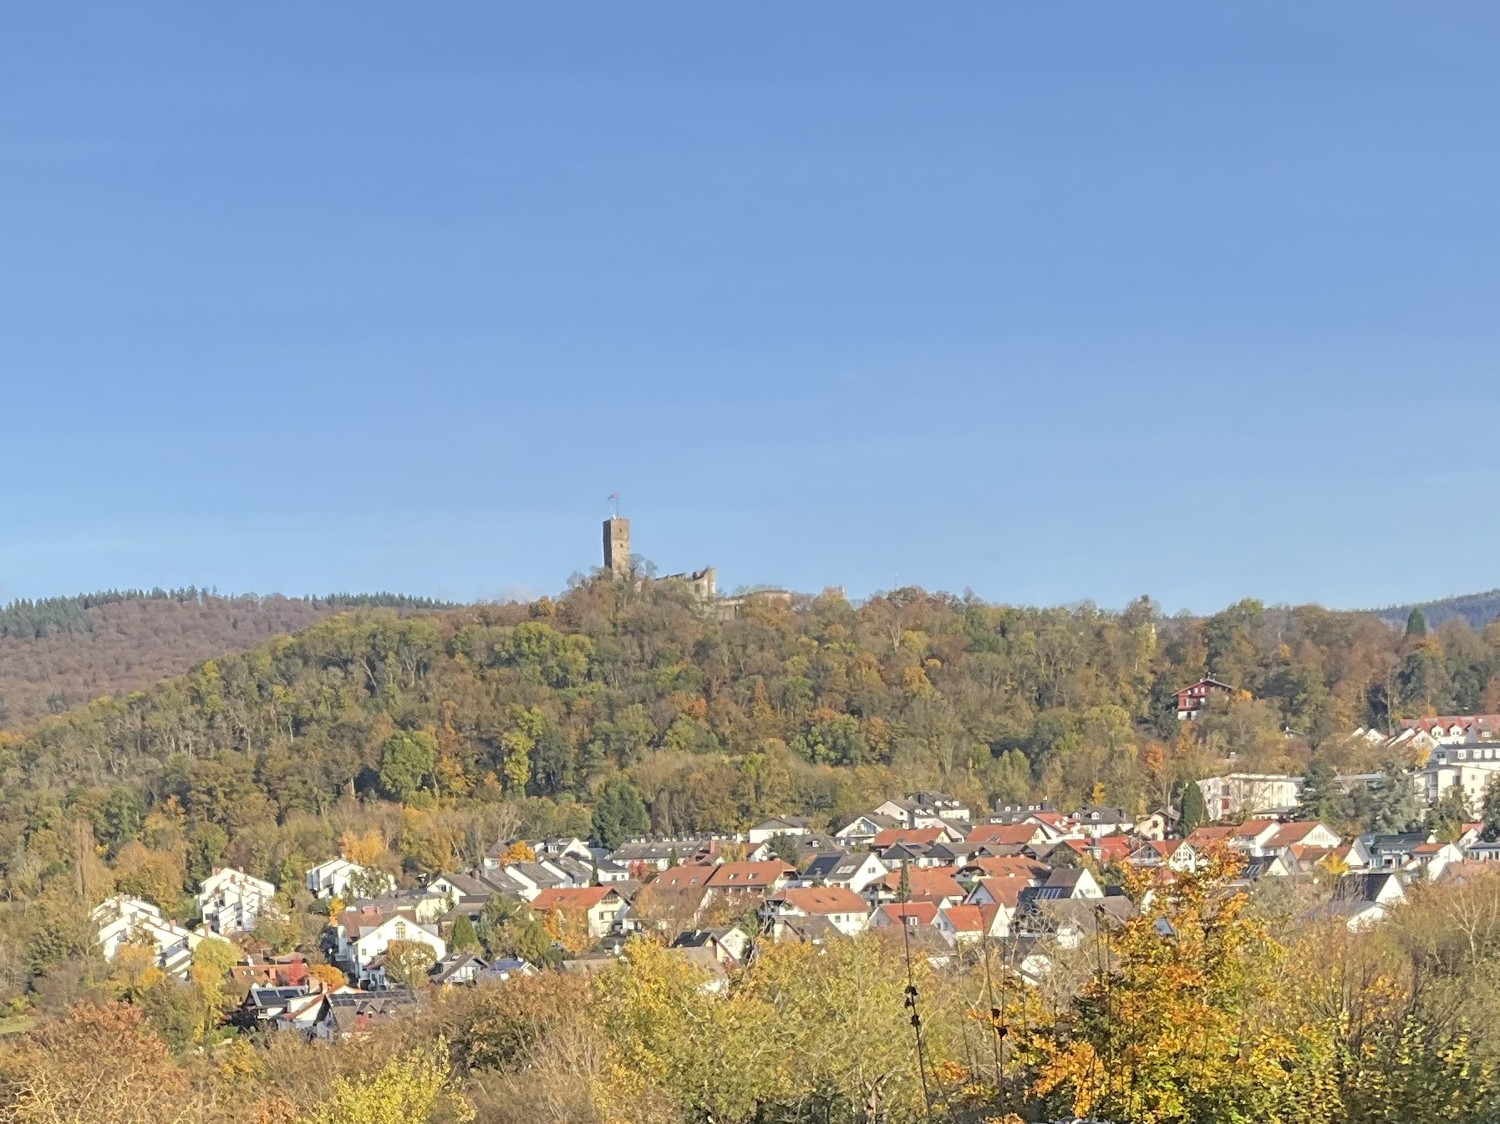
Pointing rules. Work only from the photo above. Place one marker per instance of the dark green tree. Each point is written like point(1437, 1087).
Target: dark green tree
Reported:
point(1194, 812)
point(1416, 624)
point(1489, 811)
point(1323, 798)
point(1448, 816)
point(508, 928)
point(619, 813)
point(464, 938)
point(1392, 801)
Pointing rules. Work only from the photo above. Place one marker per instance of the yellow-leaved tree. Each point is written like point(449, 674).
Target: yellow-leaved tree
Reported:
point(1178, 1025)
point(409, 1089)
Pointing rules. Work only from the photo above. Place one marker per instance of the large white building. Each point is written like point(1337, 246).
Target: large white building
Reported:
point(333, 878)
point(125, 920)
point(1469, 765)
point(231, 901)
point(1234, 793)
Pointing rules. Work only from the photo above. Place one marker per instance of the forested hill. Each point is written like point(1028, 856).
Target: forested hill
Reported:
point(822, 707)
point(60, 652)
point(1475, 609)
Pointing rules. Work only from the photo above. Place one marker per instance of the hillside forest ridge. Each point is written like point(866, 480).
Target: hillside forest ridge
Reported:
point(567, 859)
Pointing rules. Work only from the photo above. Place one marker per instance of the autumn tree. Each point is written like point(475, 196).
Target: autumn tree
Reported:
point(98, 1065)
point(407, 963)
point(1173, 1026)
point(410, 1089)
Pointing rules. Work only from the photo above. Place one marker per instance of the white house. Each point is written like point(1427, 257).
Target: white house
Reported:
point(842, 909)
point(332, 880)
point(364, 936)
point(781, 825)
point(1249, 792)
point(852, 871)
point(231, 901)
point(125, 920)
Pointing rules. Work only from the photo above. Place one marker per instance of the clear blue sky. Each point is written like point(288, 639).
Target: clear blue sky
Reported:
point(1051, 301)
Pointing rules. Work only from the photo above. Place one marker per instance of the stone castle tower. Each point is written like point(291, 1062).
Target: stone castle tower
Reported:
point(617, 546)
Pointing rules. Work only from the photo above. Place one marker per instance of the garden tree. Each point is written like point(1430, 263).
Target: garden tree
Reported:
point(410, 1089)
point(278, 926)
point(509, 928)
point(1389, 803)
point(464, 938)
point(212, 995)
point(1322, 797)
point(1194, 812)
point(99, 1065)
point(329, 975)
point(1174, 1026)
point(407, 759)
point(569, 930)
point(518, 852)
point(619, 813)
point(1489, 811)
point(1448, 816)
point(408, 962)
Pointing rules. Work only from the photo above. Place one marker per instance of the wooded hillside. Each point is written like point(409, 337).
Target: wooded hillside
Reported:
point(823, 707)
point(60, 652)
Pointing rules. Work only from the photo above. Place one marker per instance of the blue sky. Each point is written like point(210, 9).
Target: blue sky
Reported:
point(1052, 302)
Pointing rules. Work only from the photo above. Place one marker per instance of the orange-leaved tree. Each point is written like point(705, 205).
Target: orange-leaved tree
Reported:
point(1177, 1023)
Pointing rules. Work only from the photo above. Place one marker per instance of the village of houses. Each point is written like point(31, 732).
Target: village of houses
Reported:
point(1033, 880)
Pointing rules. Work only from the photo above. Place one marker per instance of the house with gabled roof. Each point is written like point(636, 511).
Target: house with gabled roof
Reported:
point(124, 920)
point(969, 924)
point(1192, 699)
point(897, 914)
point(598, 906)
point(853, 870)
point(340, 878)
point(363, 936)
point(1361, 901)
point(1172, 854)
point(1302, 833)
point(862, 830)
point(1431, 859)
point(933, 885)
point(780, 825)
point(1096, 820)
point(751, 877)
point(843, 909)
point(1006, 834)
point(231, 901)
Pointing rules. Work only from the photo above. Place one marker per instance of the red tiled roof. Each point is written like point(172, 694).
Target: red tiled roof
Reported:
point(1005, 891)
point(570, 898)
point(965, 918)
point(683, 877)
point(1114, 846)
point(930, 883)
point(1290, 834)
point(742, 876)
point(1010, 866)
point(1005, 834)
point(893, 835)
point(816, 901)
point(1202, 836)
point(923, 912)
